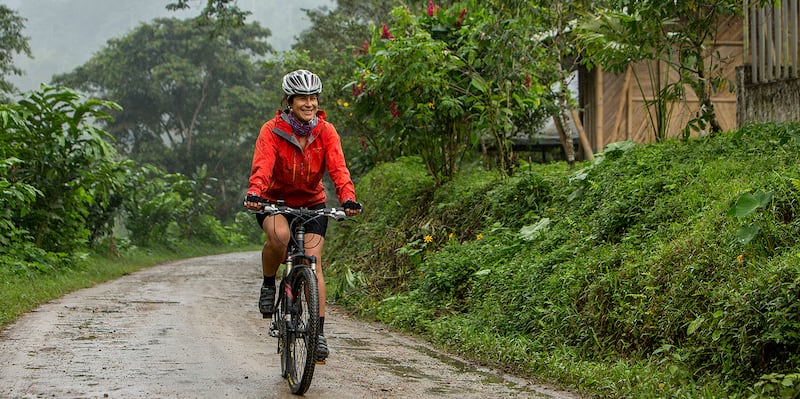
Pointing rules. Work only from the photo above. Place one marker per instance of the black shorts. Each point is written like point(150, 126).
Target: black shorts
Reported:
point(317, 226)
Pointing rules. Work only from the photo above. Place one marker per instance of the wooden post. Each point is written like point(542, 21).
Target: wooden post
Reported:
point(623, 100)
point(587, 148)
point(598, 96)
point(794, 37)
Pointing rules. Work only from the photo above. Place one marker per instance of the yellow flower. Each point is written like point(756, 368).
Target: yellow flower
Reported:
point(428, 238)
point(479, 236)
point(339, 101)
point(430, 105)
point(451, 235)
point(346, 104)
point(740, 258)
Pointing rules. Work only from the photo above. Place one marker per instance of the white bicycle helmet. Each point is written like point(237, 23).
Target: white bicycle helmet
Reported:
point(301, 82)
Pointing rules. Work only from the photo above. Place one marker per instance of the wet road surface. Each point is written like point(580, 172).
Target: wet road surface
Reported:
point(191, 329)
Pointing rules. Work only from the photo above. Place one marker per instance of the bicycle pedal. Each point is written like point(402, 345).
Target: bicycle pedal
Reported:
point(273, 330)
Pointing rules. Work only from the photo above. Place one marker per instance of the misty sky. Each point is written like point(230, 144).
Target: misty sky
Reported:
point(64, 34)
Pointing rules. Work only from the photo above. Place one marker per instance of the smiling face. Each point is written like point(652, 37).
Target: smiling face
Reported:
point(304, 107)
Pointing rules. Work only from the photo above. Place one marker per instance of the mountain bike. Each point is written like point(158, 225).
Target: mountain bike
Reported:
point(295, 321)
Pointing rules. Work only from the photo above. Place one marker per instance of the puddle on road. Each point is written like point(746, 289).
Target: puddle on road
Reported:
point(354, 343)
point(400, 370)
point(412, 369)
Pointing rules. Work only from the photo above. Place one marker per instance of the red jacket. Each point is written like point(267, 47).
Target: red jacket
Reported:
point(282, 170)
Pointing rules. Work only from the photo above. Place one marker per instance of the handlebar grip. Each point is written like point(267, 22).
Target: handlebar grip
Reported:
point(254, 198)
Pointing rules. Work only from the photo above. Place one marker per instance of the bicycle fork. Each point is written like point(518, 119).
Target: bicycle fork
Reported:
point(285, 300)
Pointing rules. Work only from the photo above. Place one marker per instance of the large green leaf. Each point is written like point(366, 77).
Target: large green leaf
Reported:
point(531, 232)
point(749, 203)
point(747, 233)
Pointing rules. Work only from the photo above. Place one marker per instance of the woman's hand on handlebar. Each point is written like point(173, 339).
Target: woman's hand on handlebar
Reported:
point(352, 208)
point(253, 202)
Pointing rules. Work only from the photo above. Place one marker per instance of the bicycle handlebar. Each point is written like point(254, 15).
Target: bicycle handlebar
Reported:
point(274, 209)
point(270, 208)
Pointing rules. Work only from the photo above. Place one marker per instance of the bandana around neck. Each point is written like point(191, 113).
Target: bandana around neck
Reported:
point(300, 128)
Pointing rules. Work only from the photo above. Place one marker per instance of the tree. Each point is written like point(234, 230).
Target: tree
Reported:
point(437, 84)
point(11, 42)
point(221, 14)
point(176, 82)
point(516, 79)
point(63, 167)
point(556, 20)
point(335, 36)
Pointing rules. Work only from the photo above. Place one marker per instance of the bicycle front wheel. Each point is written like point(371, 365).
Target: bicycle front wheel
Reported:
point(302, 331)
point(279, 322)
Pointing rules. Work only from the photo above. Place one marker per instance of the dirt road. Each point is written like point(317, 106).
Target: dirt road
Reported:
point(191, 329)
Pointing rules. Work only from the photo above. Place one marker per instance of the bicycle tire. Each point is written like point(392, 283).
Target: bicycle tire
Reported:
point(302, 330)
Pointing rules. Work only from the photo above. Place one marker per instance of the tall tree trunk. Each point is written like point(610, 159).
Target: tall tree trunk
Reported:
point(559, 118)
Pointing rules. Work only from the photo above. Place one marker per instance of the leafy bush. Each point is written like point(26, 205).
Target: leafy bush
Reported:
point(393, 195)
point(166, 208)
point(15, 198)
point(62, 187)
point(677, 259)
point(62, 155)
point(393, 188)
point(245, 229)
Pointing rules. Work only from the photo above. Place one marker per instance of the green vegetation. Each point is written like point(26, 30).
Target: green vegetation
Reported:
point(661, 270)
point(12, 42)
point(434, 84)
point(657, 33)
point(190, 102)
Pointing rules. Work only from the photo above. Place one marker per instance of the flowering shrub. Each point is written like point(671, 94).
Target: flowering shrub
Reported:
point(434, 84)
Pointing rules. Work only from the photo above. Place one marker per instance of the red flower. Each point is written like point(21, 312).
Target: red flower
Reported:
point(363, 49)
point(430, 8)
point(357, 90)
point(393, 109)
point(528, 80)
point(386, 34)
point(461, 17)
point(364, 144)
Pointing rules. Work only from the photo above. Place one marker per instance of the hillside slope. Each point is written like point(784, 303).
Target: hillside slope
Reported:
point(660, 270)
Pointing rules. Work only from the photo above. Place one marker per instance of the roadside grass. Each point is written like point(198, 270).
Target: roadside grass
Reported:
point(660, 270)
point(24, 291)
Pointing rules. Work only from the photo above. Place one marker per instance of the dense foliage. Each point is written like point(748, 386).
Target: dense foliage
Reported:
point(65, 188)
point(191, 100)
point(672, 264)
point(665, 270)
point(434, 83)
point(12, 41)
point(61, 173)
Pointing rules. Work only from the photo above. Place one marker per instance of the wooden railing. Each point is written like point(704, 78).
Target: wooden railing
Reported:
point(771, 42)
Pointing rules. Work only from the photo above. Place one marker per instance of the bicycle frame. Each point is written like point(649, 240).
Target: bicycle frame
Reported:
point(296, 249)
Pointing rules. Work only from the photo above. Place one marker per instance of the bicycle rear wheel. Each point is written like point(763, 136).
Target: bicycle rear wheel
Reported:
point(302, 330)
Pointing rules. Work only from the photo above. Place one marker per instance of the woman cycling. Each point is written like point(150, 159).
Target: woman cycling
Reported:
point(292, 152)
